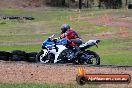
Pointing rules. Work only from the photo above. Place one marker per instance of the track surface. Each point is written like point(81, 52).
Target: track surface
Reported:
point(23, 72)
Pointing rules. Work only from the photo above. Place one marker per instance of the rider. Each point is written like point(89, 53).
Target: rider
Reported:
point(72, 37)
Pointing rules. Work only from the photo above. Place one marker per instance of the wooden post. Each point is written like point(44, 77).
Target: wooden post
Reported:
point(126, 2)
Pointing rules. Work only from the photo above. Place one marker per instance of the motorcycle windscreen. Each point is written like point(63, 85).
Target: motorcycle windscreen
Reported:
point(47, 42)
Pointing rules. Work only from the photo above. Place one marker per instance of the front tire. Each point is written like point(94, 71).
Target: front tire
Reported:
point(45, 57)
point(40, 57)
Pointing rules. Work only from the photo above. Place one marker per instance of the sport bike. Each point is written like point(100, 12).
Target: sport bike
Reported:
point(59, 51)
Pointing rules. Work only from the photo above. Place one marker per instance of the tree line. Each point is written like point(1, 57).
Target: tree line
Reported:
point(84, 3)
point(87, 3)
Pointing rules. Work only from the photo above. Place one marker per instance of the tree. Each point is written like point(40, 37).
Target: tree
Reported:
point(113, 4)
point(80, 4)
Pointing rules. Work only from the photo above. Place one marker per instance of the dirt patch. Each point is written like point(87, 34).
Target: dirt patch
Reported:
point(114, 21)
point(107, 35)
point(22, 72)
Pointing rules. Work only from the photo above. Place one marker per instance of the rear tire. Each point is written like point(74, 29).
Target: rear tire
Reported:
point(84, 58)
point(96, 56)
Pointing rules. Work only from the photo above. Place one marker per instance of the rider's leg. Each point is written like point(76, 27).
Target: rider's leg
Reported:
point(76, 47)
point(77, 41)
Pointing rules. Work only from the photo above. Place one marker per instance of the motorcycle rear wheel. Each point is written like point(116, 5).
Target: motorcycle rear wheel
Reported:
point(96, 58)
point(88, 57)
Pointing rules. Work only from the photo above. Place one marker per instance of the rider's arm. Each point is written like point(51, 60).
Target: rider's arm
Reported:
point(63, 35)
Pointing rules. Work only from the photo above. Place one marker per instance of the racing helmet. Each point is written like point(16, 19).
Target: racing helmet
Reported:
point(65, 27)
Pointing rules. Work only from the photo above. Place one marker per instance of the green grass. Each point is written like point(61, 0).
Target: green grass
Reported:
point(116, 51)
point(23, 38)
point(27, 48)
point(31, 85)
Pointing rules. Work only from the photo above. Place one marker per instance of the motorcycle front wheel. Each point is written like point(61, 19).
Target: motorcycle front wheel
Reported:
point(41, 57)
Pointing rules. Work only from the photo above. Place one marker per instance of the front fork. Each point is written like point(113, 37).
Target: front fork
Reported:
point(56, 58)
point(45, 52)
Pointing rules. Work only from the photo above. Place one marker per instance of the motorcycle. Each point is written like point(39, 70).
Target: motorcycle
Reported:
point(59, 51)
